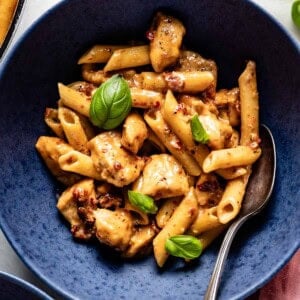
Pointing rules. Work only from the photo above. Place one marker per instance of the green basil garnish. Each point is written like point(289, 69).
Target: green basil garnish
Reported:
point(185, 246)
point(295, 12)
point(198, 131)
point(111, 103)
point(142, 202)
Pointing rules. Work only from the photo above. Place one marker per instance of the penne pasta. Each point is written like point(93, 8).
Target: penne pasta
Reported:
point(153, 81)
point(99, 54)
point(128, 57)
point(189, 82)
point(7, 11)
point(232, 157)
point(93, 75)
point(182, 218)
point(79, 163)
point(52, 120)
point(171, 142)
point(206, 238)
point(75, 100)
point(145, 98)
point(206, 220)
point(249, 105)
point(152, 137)
point(177, 118)
point(77, 129)
point(166, 211)
point(179, 121)
point(231, 173)
point(231, 201)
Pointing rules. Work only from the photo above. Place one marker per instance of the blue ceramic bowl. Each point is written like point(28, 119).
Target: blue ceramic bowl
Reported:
point(14, 288)
point(230, 32)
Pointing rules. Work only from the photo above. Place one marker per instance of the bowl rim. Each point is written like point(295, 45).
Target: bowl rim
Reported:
point(15, 280)
point(33, 267)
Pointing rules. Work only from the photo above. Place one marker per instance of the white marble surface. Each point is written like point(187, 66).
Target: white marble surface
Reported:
point(9, 261)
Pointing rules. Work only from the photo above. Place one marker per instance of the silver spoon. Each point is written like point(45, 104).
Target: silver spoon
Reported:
point(258, 192)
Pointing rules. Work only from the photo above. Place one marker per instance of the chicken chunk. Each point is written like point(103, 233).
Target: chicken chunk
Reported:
point(208, 190)
point(68, 204)
point(116, 165)
point(163, 177)
point(114, 228)
point(165, 35)
point(218, 130)
point(192, 61)
point(134, 132)
point(141, 241)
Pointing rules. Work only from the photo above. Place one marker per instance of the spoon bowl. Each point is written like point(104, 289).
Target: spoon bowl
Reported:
point(257, 195)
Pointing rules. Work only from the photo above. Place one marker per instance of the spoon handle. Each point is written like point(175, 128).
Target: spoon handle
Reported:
point(212, 290)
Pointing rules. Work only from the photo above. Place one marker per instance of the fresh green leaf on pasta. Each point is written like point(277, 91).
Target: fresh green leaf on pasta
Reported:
point(184, 246)
point(111, 103)
point(143, 202)
point(198, 131)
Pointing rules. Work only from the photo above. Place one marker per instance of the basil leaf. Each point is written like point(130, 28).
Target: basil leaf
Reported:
point(143, 202)
point(111, 103)
point(185, 246)
point(295, 12)
point(198, 131)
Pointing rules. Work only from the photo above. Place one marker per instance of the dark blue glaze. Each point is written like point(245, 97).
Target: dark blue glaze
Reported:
point(14, 288)
point(230, 32)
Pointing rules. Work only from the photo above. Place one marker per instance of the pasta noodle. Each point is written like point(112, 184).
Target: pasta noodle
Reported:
point(206, 220)
point(76, 129)
point(249, 105)
point(74, 99)
point(207, 237)
point(7, 11)
point(79, 163)
point(174, 115)
point(182, 218)
point(171, 142)
point(128, 58)
point(174, 161)
point(232, 157)
point(52, 120)
point(166, 210)
point(98, 54)
point(145, 98)
point(231, 201)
